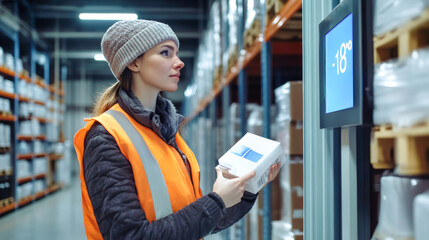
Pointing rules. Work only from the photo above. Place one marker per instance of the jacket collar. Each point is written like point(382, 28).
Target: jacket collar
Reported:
point(164, 121)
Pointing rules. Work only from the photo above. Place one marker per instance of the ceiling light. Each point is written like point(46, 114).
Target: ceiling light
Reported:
point(108, 16)
point(99, 57)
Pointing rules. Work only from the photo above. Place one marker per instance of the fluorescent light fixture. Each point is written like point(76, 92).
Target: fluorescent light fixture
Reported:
point(108, 16)
point(99, 57)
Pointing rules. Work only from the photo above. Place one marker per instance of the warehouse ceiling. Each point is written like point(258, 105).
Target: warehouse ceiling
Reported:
point(76, 41)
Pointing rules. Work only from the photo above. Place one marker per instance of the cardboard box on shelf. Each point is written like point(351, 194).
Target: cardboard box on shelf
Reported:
point(289, 100)
point(296, 174)
point(250, 153)
point(289, 134)
point(297, 200)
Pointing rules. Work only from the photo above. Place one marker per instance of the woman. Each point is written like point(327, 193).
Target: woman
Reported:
point(139, 179)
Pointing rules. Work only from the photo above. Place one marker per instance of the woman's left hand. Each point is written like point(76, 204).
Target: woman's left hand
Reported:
point(274, 170)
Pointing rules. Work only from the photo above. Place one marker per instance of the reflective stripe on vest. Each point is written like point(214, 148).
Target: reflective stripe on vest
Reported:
point(158, 187)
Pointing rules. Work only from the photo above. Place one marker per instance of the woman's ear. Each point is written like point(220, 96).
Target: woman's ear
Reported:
point(134, 65)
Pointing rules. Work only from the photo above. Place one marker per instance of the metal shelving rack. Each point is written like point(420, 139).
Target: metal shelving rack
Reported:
point(238, 72)
point(13, 31)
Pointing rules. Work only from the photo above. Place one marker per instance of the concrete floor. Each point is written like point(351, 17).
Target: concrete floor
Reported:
point(56, 216)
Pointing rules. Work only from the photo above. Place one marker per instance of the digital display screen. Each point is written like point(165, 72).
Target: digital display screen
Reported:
point(339, 66)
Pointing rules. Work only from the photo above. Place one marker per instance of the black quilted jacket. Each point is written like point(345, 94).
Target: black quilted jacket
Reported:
point(110, 182)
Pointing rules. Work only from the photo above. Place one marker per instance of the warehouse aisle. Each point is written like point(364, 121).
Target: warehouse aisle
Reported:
point(58, 216)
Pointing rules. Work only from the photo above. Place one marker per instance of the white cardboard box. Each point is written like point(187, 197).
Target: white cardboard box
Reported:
point(252, 152)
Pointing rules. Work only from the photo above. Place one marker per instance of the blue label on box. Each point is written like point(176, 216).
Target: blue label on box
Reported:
point(247, 153)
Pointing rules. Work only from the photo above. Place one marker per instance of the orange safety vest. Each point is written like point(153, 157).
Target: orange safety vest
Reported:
point(181, 190)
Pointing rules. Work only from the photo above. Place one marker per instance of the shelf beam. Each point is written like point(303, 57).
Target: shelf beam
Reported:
point(288, 10)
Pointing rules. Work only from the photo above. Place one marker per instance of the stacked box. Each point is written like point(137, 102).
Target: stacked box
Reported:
point(290, 134)
point(290, 119)
point(297, 200)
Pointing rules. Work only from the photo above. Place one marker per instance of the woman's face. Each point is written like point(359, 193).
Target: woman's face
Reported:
point(159, 68)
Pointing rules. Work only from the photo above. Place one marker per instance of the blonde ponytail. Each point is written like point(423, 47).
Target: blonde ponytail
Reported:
point(110, 96)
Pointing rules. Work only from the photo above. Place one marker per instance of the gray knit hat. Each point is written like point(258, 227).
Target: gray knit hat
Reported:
point(125, 40)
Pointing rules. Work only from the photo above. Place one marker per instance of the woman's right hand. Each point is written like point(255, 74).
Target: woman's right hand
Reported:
point(231, 190)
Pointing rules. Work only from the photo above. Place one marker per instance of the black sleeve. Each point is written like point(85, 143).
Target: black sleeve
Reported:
point(236, 212)
point(111, 188)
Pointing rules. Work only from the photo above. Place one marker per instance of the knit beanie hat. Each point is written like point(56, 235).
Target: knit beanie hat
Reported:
point(125, 40)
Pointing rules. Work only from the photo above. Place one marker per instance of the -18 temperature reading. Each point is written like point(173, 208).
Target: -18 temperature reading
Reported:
point(342, 59)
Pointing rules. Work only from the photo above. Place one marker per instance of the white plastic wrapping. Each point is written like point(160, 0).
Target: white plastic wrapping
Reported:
point(401, 88)
point(421, 216)
point(253, 11)
point(39, 185)
point(8, 86)
point(215, 38)
point(389, 14)
point(23, 169)
point(40, 165)
point(396, 207)
point(233, 26)
point(5, 163)
point(1, 57)
point(9, 61)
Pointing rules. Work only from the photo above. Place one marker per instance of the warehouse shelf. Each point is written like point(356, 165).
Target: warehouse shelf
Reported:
point(24, 180)
point(7, 208)
point(55, 188)
point(31, 138)
point(24, 201)
point(288, 10)
point(26, 78)
point(28, 48)
point(40, 176)
point(7, 71)
point(5, 202)
point(40, 84)
point(39, 195)
point(7, 94)
point(6, 172)
point(24, 156)
point(55, 157)
point(39, 103)
point(43, 120)
point(7, 118)
point(40, 155)
point(24, 99)
point(255, 65)
point(24, 138)
point(254, 50)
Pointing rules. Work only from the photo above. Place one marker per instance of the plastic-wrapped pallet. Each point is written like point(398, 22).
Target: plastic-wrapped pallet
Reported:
point(38, 147)
point(24, 147)
point(1, 57)
point(39, 185)
point(9, 61)
point(255, 120)
point(253, 12)
point(421, 216)
point(1, 82)
point(396, 214)
point(23, 168)
point(402, 11)
point(232, 46)
point(236, 121)
point(5, 163)
point(214, 22)
point(40, 165)
point(400, 90)
point(8, 86)
point(289, 118)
